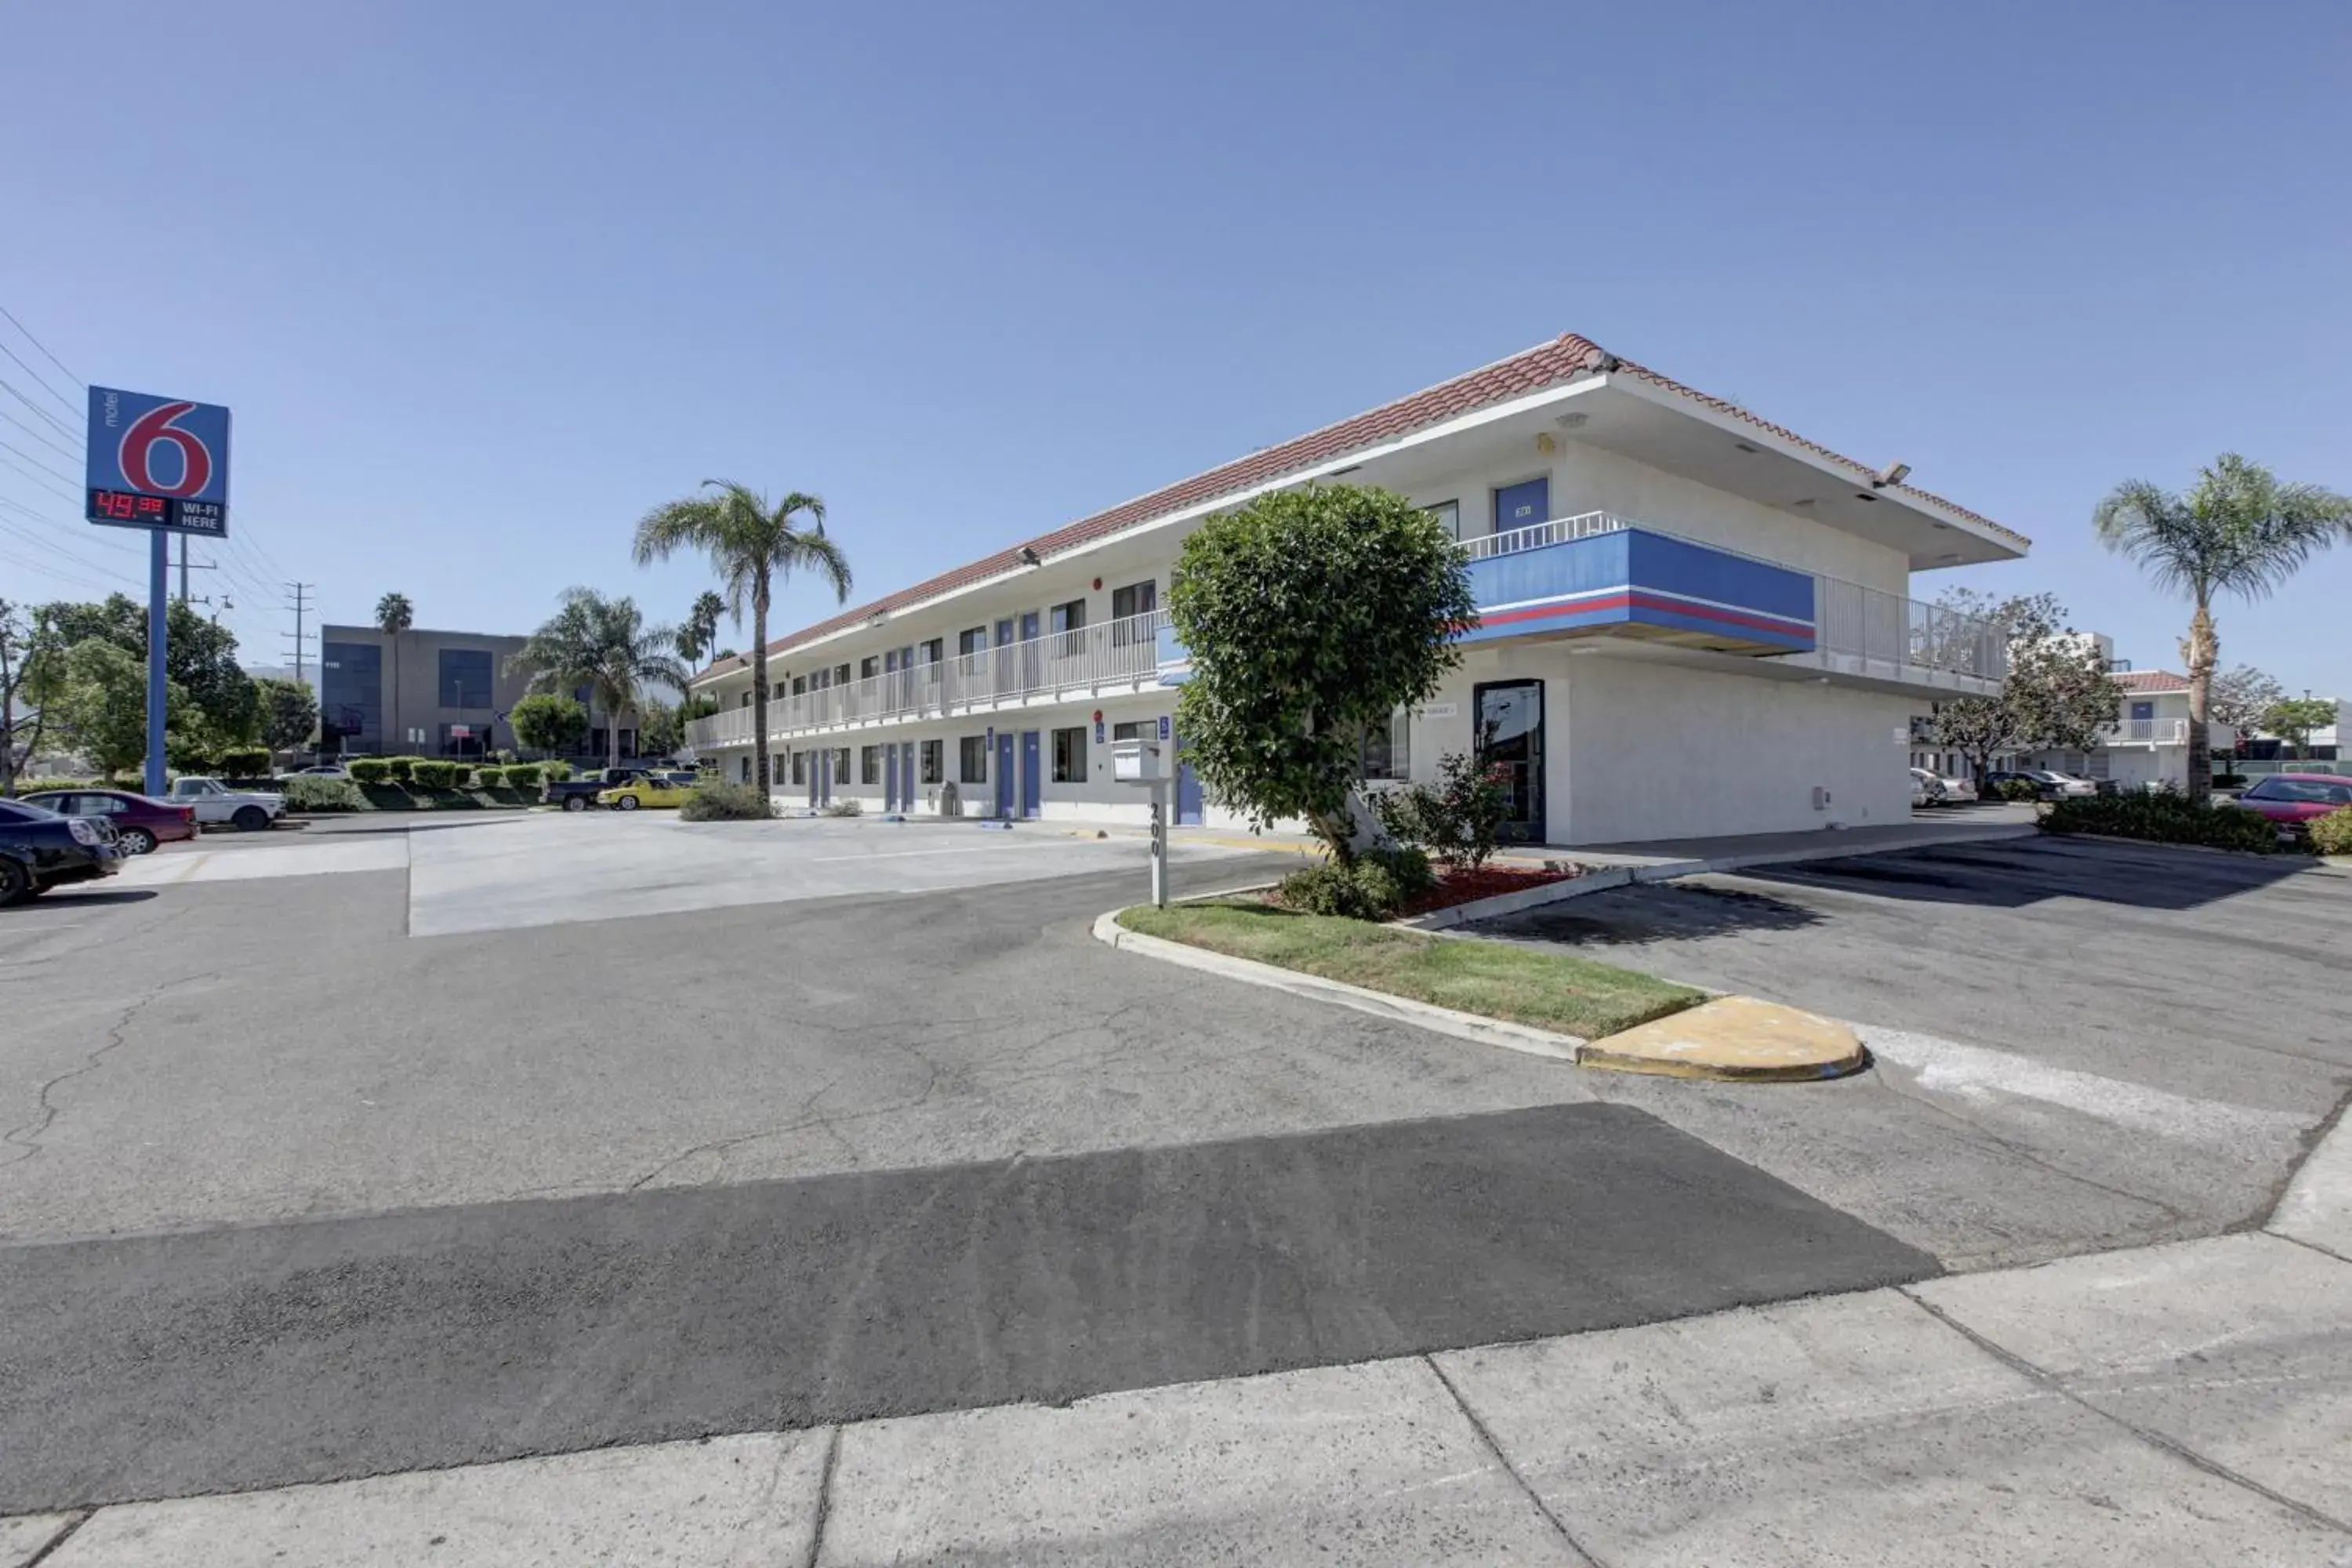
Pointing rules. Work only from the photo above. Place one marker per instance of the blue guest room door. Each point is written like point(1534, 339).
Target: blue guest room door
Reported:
point(1004, 773)
point(1032, 786)
point(1522, 505)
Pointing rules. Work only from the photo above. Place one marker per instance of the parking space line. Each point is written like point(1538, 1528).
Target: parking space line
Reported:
point(969, 849)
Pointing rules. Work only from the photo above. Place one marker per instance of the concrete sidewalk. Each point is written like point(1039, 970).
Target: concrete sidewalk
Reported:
point(2184, 1403)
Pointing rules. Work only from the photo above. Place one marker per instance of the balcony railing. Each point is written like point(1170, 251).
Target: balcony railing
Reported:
point(1849, 620)
point(1117, 653)
point(2146, 733)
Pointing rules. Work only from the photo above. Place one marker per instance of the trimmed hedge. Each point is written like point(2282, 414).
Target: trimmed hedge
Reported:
point(555, 772)
point(2332, 834)
point(2164, 818)
point(426, 773)
point(369, 770)
point(2017, 789)
point(400, 770)
point(245, 761)
point(312, 791)
point(521, 775)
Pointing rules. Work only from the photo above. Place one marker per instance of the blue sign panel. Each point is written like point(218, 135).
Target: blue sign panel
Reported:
point(157, 462)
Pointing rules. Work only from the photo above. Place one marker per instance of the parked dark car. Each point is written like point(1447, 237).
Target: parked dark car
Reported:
point(2293, 802)
point(580, 792)
point(141, 822)
point(40, 850)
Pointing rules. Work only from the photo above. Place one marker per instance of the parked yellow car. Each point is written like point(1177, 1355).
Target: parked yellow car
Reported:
point(644, 791)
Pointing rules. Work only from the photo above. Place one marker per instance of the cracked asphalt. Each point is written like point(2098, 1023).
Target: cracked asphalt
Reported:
point(267, 1159)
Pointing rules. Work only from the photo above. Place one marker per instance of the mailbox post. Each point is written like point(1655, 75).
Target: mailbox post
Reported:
point(1144, 764)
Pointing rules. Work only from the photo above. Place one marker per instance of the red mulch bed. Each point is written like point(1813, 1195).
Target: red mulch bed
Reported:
point(1490, 880)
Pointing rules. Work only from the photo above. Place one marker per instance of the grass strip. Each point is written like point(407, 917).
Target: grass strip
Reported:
point(1495, 979)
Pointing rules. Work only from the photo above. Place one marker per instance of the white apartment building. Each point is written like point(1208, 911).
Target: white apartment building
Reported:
point(2147, 746)
point(1693, 622)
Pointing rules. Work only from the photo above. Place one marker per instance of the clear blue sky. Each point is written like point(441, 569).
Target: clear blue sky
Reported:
point(483, 282)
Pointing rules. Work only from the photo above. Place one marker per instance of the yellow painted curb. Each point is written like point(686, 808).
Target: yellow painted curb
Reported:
point(1736, 1037)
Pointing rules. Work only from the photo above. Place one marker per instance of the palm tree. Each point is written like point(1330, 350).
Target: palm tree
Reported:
point(750, 545)
point(394, 616)
point(2237, 530)
point(700, 634)
point(604, 644)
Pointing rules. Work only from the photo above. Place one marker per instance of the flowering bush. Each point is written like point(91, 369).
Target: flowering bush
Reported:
point(1455, 819)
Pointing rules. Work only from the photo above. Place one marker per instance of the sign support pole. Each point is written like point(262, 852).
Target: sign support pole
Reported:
point(159, 621)
point(1159, 846)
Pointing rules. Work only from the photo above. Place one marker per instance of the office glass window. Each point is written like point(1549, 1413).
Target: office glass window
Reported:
point(1448, 514)
point(1135, 599)
point(1070, 756)
point(1136, 730)
point(1384, 753)
point(869, 764)
point(464, 678)
point(934, 756)
point(971, 640)
point(350, 696)
point(972, 759)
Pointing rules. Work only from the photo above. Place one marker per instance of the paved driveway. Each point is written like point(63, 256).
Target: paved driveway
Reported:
point(2078, 1043)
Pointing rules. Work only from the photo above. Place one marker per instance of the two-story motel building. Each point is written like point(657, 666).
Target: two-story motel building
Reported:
point(1693, 622)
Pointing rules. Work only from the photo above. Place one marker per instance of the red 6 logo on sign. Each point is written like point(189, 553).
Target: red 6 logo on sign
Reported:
point(139, 442)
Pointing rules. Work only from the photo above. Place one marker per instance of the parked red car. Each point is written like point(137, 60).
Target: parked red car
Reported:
point(141, 822)
point(2296, 801)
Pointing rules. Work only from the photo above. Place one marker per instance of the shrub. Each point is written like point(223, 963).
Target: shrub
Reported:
point(844, 807)
point(400, 770)
point(311, 792)
point(716, 800)
point(2332, 834)
point(555, 772)
point(426, 773)
point(2018, 789)
point(2163, 818)
point(489, 776)
point(521, 775)
point(369, 770)
point(1456, 818)
point(245, 763)
point(1375, 888)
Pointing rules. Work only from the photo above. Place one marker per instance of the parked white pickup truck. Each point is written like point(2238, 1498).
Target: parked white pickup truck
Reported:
point(247, 809)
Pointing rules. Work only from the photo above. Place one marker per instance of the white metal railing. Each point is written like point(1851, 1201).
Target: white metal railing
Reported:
point(1558, 531)
point(2146, 733)
point(1116, 653)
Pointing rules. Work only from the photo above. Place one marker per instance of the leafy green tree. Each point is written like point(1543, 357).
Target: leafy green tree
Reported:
point(218, 705)
point(2293, 718)
point(604, 644)
point(394, 616)
point(751, 546)
point(545, 721)
point(1309, 615)
point(18, 631)
point(2237, 530)
point(659, 730)
point(100, 704)
point(290, 714)
point(2058, 694)
point(2240, 697)
point(700, 631)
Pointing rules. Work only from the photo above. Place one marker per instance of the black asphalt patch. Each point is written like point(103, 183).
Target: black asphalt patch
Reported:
point(225, 1360)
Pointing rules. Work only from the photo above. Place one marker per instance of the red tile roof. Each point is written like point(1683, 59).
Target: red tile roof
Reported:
point(1533, 370)
point(2151, 681)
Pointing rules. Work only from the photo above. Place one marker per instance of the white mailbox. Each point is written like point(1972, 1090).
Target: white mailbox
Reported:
point(1139, 761)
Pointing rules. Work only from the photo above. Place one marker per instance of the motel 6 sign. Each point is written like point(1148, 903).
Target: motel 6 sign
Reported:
point(158, 463)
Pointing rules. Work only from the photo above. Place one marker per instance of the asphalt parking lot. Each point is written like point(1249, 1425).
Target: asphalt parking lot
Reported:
point(587, 1170)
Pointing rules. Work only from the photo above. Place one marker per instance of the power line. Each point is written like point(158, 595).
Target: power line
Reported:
point(35, 432)
point(37, 462)
point(63, 428)
point(36, 374)
point(62, 495)
point(38, 541)
point(94, 535)
point(40, 345)
point(47, 570)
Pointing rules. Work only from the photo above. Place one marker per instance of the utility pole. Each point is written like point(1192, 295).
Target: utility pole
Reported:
point(300, 606)
point(200, 565)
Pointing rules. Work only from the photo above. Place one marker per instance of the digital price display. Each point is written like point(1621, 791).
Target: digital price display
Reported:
point(130, 509)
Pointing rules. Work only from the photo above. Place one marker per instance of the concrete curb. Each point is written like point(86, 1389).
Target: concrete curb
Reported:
point(2314, 863)
point(2316, 1209)
point(1597, 881)
point(1379, 1004)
